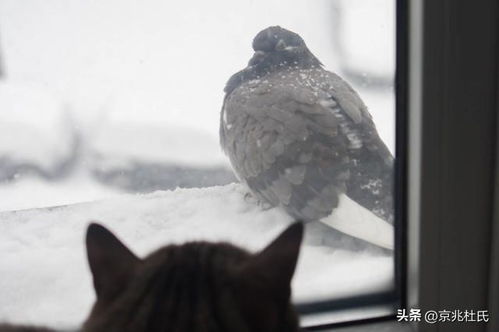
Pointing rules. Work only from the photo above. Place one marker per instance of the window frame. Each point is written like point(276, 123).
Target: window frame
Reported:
point(453, 109)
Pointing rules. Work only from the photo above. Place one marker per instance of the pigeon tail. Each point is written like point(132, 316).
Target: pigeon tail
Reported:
point(353, 219)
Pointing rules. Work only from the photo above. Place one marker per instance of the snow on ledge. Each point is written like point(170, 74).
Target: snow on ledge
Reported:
point(44, 273)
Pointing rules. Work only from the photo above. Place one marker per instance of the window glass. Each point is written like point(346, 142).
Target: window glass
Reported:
point(110, 111)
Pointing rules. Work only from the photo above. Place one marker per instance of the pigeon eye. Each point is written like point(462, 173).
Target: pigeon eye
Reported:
point(281, 45)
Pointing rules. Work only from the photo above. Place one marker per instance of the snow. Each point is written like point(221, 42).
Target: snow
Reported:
point(129, 72)
point(32, 125)
point(371, 53)
point(158, 61)
point(44, 247)
point(33, 192)
point(144, 85)
point(168, 64)
point(117, 143)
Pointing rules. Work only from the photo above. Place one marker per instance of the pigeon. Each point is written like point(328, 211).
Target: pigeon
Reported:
point(300, 137)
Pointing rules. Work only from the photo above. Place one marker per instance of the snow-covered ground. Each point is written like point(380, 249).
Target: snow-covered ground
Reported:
point(44, 273)
point(34, 192)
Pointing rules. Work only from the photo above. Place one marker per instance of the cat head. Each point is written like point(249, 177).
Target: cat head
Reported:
point(197, 286)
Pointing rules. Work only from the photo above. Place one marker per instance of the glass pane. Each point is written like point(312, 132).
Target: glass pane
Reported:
point(111, 110)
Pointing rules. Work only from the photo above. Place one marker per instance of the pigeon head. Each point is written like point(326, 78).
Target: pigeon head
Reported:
point(275, 49)
point(277, 39)
point(278, 47)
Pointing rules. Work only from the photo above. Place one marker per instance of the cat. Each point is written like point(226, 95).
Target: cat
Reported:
point(194, 287)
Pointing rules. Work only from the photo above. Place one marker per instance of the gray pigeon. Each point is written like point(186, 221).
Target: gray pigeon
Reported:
point(301, 138)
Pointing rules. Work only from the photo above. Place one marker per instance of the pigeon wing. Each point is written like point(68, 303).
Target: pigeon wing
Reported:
point(295, 141)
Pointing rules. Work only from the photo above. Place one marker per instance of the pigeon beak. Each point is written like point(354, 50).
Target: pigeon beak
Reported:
point(258, 56)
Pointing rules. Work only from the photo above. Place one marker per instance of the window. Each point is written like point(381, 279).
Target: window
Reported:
point(102, 104)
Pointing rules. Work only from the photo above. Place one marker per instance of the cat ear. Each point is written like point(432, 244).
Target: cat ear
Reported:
point(111, 262)
point(275, 265)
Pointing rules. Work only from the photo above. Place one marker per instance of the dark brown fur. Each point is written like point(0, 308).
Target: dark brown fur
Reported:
point(195, 287)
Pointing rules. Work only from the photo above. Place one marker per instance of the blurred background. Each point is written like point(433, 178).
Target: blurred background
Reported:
point(101, 98)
